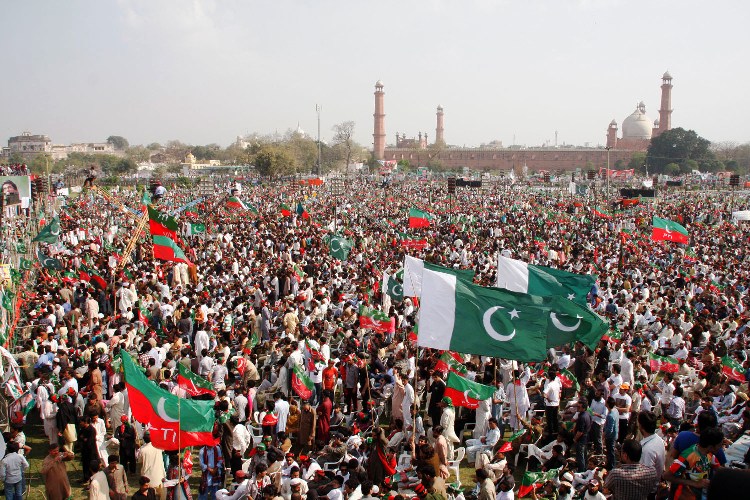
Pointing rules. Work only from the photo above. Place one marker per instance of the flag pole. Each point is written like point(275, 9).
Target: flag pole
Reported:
point(179, 439)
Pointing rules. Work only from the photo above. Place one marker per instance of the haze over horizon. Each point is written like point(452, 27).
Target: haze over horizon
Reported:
point(206, 71)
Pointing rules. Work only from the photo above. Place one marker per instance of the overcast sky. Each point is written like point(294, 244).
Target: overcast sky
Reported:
point(207, 71)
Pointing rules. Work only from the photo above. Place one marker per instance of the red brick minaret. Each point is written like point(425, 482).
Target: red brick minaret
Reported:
point(439, 129)
point(379, 115)
point(665, 112)
point(612, 134)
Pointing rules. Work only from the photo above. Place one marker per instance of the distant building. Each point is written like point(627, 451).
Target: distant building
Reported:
point(191, 163)
point(28, 146)
point(637, 131)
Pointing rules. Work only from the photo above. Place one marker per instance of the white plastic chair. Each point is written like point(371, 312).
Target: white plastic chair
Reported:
point(468, 427)
point(454, 465)
point(256, 432)
point(524, 448)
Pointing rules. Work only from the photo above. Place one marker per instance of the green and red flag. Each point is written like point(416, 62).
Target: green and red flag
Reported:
point(192, 383)
point(285, 210)
point(91, 275)
point(418, 218)
point(375, 320)
point(601, 213)
point(301, 383)
point(668, 230)
point(298, 272)
point(161, 224)
point(614, 335)
point(733, 369)
point(448, 363)
point(173, 422)
point(407, 241)
point(234, 202)
point(301, 211)
point(690, 256)
point(662, 363)
point(464, 392)
point(166, 249)
point(533, 480)
point(568, 380)
point(626, 234)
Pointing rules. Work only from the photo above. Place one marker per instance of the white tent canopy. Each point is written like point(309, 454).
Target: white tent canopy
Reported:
point(741, 215)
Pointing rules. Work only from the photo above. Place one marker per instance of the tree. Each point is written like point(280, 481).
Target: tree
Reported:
point(638, 162)
point(118, 142)
point(343, 134)
point(126, 166)
point(138, 154)
point(272, 160)
point(677, 145)
point(672, 169)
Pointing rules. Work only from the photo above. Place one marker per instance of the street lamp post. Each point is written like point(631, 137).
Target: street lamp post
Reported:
point(318, 108)
point(608, 148)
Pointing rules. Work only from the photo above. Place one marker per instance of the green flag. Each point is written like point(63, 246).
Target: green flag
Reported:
point(518, 276)
point(26, 264)
point(459, 316)
point(393, 288)
point(339, 247)
point(49, 233)
point(8, 300)
point(197, 228)
point(49, 262)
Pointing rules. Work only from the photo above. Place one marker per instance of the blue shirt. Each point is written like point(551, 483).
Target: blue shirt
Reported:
point(686, 439)
point(210, 456)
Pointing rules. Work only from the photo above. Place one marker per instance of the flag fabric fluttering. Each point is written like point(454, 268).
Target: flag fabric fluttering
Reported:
point(161, 224)
point(414, 268)
point(448, 363)
point(196, 228)
point(418, 218)
point(339, 247)
point(375, 320)
point(463, 317)
point(668, 230)
point(393, 288)
point(173, 422)
point(49, 233)
point(48, 262)
point(301, 211)
point(166, 249)
point(518, 276)
point(235, 203)
point(662, 363)
point(192, 383)
point(302, 385)
point(533, 480)
point(285, 210)
point(733, 369)
point(464, 392)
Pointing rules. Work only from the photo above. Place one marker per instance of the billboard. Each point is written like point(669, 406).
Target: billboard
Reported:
point(15, 188)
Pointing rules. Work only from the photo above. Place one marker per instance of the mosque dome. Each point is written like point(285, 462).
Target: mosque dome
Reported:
point(379, 83)
point(637, 125)
point(666, 76)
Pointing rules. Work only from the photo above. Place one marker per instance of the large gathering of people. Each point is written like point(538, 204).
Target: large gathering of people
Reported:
point(652, 411)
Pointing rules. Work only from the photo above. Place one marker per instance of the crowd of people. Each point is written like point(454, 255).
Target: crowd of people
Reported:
point(263, 297)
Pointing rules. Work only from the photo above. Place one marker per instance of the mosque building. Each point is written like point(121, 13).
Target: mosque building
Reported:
point(637, 132)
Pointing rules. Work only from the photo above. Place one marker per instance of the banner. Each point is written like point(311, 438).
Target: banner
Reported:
point(15, 188)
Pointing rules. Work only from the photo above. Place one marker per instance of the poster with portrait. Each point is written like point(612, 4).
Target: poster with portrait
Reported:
point(15, 188)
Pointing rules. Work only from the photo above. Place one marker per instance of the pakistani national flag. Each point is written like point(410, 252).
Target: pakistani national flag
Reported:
point(49, 262)
point(166, 249)
point(393, 288)
point(418, 218)
point(196, 228)
point(448, 363)
point(668, 230)
point(174, 422)
point(463, 317)
point(464, 392)
point(49, 233)
point(413, 269)
point(339, 247)
point(193, 384)
point(301, 383)
point(518, 276)
point(733, 369)
point(662, 363)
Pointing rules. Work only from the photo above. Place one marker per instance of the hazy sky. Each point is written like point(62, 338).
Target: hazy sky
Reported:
point(206, 71)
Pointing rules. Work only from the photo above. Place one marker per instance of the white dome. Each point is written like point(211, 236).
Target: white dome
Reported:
point(637, 125)
point(379, 83)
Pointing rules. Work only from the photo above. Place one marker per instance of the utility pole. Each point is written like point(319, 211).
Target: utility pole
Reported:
point(608, 148)
point(318, 108)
